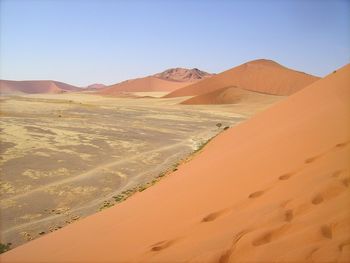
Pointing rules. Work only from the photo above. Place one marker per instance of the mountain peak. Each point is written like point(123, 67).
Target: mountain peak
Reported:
point(182, 74)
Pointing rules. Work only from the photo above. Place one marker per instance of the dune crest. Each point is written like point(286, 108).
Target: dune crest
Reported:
point(166, 81)
point(183, 74)
point(227, 95)
point(34, 86)
point(274, 188)
point(264, 76)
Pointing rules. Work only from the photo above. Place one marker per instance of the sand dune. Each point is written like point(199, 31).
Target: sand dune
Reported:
point(142, 84)
point(166, 81)
point(274, 188)
point(34, 86)
point(261, 75)
point(227, 95)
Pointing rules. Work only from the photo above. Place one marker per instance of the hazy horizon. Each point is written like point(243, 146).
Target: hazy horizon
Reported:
point(86, 42)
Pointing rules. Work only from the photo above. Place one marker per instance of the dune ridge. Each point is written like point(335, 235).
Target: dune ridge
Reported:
point(228, 95)
point(264, 76)
point(142, 85)
point(166, 81)
point(183, 74)
point(35, 86)
point(274, 188)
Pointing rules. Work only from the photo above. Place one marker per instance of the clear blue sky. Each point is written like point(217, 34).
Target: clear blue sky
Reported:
point(87, 41)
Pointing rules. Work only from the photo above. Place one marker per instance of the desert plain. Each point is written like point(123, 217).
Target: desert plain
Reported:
point(66, 156)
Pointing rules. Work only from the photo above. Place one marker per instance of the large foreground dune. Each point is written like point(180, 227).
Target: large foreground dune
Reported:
point(272, 189)
point(264, 76)
point(34, 86)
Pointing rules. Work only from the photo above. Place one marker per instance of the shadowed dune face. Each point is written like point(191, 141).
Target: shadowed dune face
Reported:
point(264, 76)
point(34, 86)
point(229, 95)
point(274, 188)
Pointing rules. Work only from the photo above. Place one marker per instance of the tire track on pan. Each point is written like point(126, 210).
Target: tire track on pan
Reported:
point(93, 171)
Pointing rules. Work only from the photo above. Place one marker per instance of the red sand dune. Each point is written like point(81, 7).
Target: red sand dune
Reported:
point(167, 81)
point(34, 86)
point(142, 85)
point(272, 189)
point(264, 76)
point(227, 95)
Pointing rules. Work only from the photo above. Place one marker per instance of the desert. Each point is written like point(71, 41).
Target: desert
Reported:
point(174, 131)
point(243, 191)
point(87, 152)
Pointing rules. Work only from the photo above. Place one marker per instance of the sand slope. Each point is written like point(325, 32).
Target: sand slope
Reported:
point(166, 81)
point(273, 189)
point(35, 86)
point(227, 95)
point(261, 75)
point(141, 85)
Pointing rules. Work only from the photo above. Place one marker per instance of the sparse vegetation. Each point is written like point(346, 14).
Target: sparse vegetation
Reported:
point(227, 127)
point(140, 188)
point(4, 247)
point(218, 124)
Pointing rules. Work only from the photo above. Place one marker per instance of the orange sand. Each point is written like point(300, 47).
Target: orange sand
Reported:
point(228, 95)
point(261, 75)
point(272, 189)
point(142, 85)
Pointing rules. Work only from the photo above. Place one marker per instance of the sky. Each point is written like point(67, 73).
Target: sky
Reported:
point(81, 42)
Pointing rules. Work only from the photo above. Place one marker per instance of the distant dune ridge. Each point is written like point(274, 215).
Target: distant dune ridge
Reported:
point(274, 188)
point(167, 81)
point(264, 76)
point(95, 86)
point(183, 74)
point(35, 86)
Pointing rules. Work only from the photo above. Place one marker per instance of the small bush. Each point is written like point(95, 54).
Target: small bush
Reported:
point(4, 247)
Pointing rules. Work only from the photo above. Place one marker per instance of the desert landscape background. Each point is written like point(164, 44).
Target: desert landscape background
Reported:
point(87, 152)
point(174, 131)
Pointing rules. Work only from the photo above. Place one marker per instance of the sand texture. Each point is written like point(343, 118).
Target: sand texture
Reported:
point(264, 76)
point(272, 189)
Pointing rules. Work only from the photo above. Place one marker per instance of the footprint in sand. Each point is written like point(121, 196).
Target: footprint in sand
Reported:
point(285, 176)
point(256, 194)
point(328, 193)
point(346, 181)
point(342, 144)
point(212, 216)
point(226, 254)
point(289, 215)
point(270, 236)
point(344, 244)
point(337, 173)
point(326, 231)
point(318, 199)
point(161, 245)
point(312, 159)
